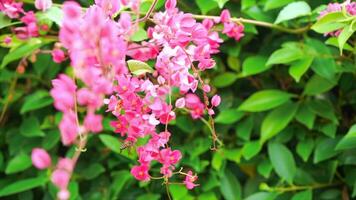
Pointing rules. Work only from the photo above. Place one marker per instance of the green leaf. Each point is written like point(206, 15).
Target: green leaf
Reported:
point(230, 187)
point(206, 5)
point(323, 64)
point(30, 127)
point(262, 196)
point(334, 42)
point(244, 128)
point(272, 4)
point(221, 3)
point(19, 163)
point(251, 149)
point(229, 116)
point(323, 109)
point(138, 67)
point(298, 68)
point(207, 196)
point(305, 116)
point(178, 191)
point(22, 185)
point(317, 85)
point(345, 34)
point(224, 79)
point(264, 100)
point(139, 35)
point(292, 11)
point(93, 171)
point(304, 195)
point(217, 161)
point(282, 161)
point(120, 180)
point(233, 63)
point(328, 22)
point(4, 21)
point(149, 196)
point(349, 140)
point(37, 100)
point(265, 168)
point(254, 65)
point(284, 56)
point(325, 149)
point(111, 142)
point(305, 148)
point(55, 14)
point(277, 120)
point(21, 51)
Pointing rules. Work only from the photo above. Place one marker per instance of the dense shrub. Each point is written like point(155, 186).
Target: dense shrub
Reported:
point(285, 127)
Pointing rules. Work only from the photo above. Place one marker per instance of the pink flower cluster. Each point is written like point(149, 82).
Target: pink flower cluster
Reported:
point(350, 8)
point(32, 28)
point(98, 47)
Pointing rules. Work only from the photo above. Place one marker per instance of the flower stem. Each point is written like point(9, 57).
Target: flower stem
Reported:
point(265, 187)
point(258, 23)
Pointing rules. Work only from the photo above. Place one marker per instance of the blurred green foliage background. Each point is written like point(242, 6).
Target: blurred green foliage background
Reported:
point(288, 100)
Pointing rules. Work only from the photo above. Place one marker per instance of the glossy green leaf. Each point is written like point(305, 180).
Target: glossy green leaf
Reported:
point(206, 5)
point(254, 65)
point(224, 79)
point(251, 149)
point(345, 34)
point(207, 196)
point(318, 85)
point(22, 185)
point(138, 67)
point(293, 10)
point(22, 51)
point(298, 68)
point(149, 196)
point(4, 20)
point(178, 191)
point(334, 42)
point(262, 196)
point(111, 142)
point(323, 109)
point(265, 168)
point(282, 161)
point(139, 35)
point(30, 127)
point(217, 161)
point(221, 3)
point(277, 120)
point(55, 14)
point(304, 195)
point(230, 187)
point(19, 163)
point(329, 22)
point(120, 180)
point(35, 101)
point(272, 4)
point(305, 148)
point(305, 116)
point(284, 56)
point(229, 116)
point(325, 149)
point(264, 100)
point(92, 171)
point(349, 140)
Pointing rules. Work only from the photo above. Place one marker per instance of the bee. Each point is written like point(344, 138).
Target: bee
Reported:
point(126, 145)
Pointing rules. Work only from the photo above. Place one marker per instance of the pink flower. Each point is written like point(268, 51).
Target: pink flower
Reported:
point(63, 92)
point(43, 4)
point(206, 88)
point(63, 194)
point(93, 123)
point(68, 128)
point(233, 30)
point(11, 8)
point(169, 157)
point(189, 180)
point(215, 101)
point(180, 103)
point(141, 172)
point(170, 4)
point(196, 107)
point(58, 55)
point(225, 16)
point(40, 158)
point(66, 164)
point(60, 178)
point(110, 7)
